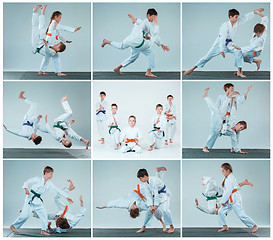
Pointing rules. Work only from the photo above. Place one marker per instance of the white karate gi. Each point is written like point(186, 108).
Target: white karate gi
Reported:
point(101, 118)
point(235, 204)
point(256, 44)
point(155, 136)
point(73, 220)
point(31, 118)
point(154, 197)
point(131, 133)
point(218, 127)
point(223, 42)
point(114, 133)
point(171, 123)
point(37, 184)
point(212, 191)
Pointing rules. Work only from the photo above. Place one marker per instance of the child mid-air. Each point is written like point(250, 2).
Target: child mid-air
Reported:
point(114, 129)
point(223, 43)
point(257, 42)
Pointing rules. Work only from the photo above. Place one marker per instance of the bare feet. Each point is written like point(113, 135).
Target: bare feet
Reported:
point(71, 185)
point(101, 207)
point(71, 122)
point(232, 150)
point(159, 169)
point(64, 98)
point(21, 95)
point(61, 74)
point(205, 150)
point(196, 202)
point(163, 225)
point(104, 42)
point(102, 141)
point(86, 142)
point(151, 148)
point(117, 70)
point(43, 10)
point(42, 73)
point(190, 71)
point(149, 75)
point(254, 229)
point(36, 8)
point(116, 148)
point(166, 142)
point(246, 182)
point(205, 93)
point(258, 63)
point(44, 233)
point(238, 74)
point(225, 228)
point(171, 230)
point(13, 229)
point(141, 229)
point(171, 141)
point(132, 17)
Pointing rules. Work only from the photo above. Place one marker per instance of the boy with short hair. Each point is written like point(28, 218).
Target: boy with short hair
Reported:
point(101, 107)
point(170, 112)
point(34, 202)
point(223, 43)
point(256, 42)
point(131, 137)
point(157, 194)
point(114, 129)
point(158, 132)
point(30, 122)
point(227, 128)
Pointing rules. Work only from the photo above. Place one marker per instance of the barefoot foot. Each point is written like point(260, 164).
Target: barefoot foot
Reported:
point(45, 233)
point(254, 229)
point(71, 185)
point(21, 95)
point(61, 74)
point(205, 150)
point(166, 142)
point(205, 93)
point(64, 98)
point(42, 73)
point(104, 42)
point(258, 63)
point(141, 229)
point(150, 75)
point(225, 228)
point(36, 8)
point(43, 10)
point(13, 229)
point(171, 230)
point(117, 70)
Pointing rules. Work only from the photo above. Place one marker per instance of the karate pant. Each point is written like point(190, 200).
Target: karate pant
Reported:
point(211, 205)
point(130, 146)
point(238, 209)
point(215, 51)
point(166, 213)
point(249, 56)
point(26, 212)
point(31, 114)
point(149, 215)
point(215, 123)
point(101, 127)
point(56, 61)
point(66, 117)
point(155, 137)
point(114, 137)
point(170, 130)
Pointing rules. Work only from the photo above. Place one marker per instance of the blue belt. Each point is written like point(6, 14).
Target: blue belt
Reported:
point(228, 41)
point(101, 111)
point(163, 190)
point(28, 124)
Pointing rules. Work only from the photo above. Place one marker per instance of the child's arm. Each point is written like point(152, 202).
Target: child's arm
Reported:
point(56, 190)
point(28, 183)
point(61, 27)
point(248, 89)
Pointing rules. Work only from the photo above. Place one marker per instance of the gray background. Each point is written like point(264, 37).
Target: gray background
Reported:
point(256, 199)
point(47, 95)
point(111, 22)
point(114, 179)
point(197, 117)
point(17, 172)
point(201, 23)
point(18, 48)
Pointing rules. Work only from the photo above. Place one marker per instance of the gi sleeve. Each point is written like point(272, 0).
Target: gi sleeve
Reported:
point(18, 133)
point(246, 18)
point(29, 182)
point(56, 190)
point(75, 219)
point(61, 27)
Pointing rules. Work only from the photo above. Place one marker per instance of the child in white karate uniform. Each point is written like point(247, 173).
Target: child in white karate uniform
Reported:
point(257, 42)
point(223, 43)
point(101, 116)
point(30, 122)
point(158, 195)
point(227, 128)
point(113, 126)
point(232, 200)
point(131, 137)
point(34, 202)
point(170, 112)
point(158, 132)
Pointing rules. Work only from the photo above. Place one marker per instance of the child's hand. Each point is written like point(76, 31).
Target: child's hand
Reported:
point(155, 19)
point(27, 192)
point(68, 41)
point(39, 116)
point(130, 16)
point(236, 47)
point(69, 200)
point(257, 11)
point(223, 54)
point(165, 48)
point(5, 127)
point(77, 29)
point(45, 42)
point(46, 118)
point(224, 204)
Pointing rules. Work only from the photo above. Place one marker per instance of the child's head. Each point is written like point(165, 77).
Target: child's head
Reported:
point(62, 223)
point(60, 47)
point(150, 14)
point(36, 139)
point(228, 87)
point(233, 15)
point(114, 108)
point(132, 121)
point(170, 98)
point(259, 29)
point(102, 95)
point(134, 212)
point(240, 126)
point(159, 108)
point(48, 172)
point(57, 16)
point(226, 169)
point(66, 142)
point(143, 175)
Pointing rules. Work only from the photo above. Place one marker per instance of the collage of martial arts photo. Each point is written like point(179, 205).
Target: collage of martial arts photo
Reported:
point(133, 119)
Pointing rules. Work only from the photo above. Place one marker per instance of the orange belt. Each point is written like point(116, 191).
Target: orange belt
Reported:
point(127, 140)
point(227, 114)
point(230, 197)
point(49, 34)
point(65, 210)
point(139, 193)
point(169, 115)
point(255, 54)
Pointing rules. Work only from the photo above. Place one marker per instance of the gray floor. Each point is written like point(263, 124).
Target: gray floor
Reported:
point(233, 232)
point(136, 76)
point(226, 75)
point(45, 153)
point(131, 232)
point(224, 153)
point(50, 76)
point(32, 232)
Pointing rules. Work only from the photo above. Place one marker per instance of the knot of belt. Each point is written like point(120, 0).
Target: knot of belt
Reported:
point(35, 195)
